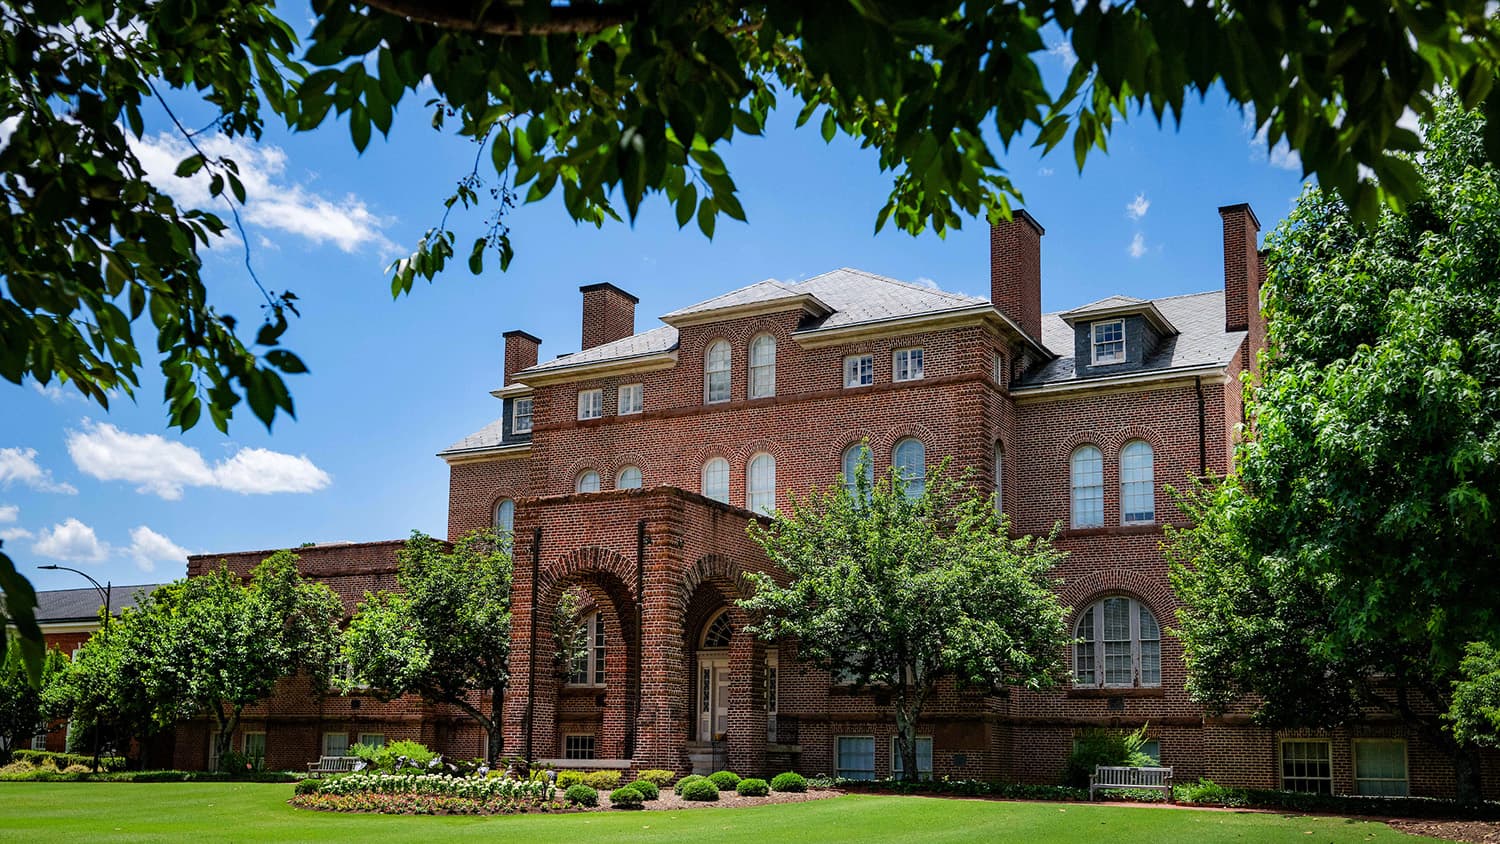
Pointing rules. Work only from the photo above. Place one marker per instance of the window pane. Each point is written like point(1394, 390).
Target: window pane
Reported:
point(1305, 766)
point(598, 650)
point(999, 479)
point(1117, 667)
point(859, 370)
point(1088, 487)
point(716, 372)
point(1109, 341)
point(588, 481)
point(334, 744)
point(521, 421)
point(853, 455)
point(856, 757)
point(505, 515)
point(629, 478)
point(255, 746)
point(1137, 483)
point(762, 367)
point(760, 484)
point(924, 758)
point(1084, 667)
point(372, 739)
point(1150, 648)
point(907, 365)
point(716, 480)
point(910, 459)
point(630, 397)
point(1152, 748)
point(1380, 768)
point(590, 404)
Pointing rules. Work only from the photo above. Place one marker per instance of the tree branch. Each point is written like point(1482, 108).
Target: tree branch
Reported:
point(504, 19)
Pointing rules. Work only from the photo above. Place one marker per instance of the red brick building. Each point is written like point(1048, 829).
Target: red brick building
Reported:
point(627, 472)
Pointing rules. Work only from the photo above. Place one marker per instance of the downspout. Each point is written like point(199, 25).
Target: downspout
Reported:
point(640, 632)
point(536, 564)
point(1202, 435)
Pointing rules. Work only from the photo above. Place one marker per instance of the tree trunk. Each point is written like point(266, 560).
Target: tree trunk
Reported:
point(227, 726)
point(1467, 775)
point(906, 742)
point(496, 730)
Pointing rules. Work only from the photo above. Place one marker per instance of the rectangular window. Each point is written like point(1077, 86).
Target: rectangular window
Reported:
point(631, 396)
point(1152, 748)
point(39, 738)
point(1380, 767)
point(521, 415)
point(1109, 342)
point(254, 745)
point(372, 739)
point(213, 750)
point(856, 757)
point(906, 365)
point(924, 758)
point(335, 744)
point(859, 370)
point(1306, 765)
point(999, 373)
point(578, 747)
point(590, 404)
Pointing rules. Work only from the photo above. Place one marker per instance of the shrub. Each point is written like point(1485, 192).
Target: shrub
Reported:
point(308, 787)
point(820, 781)
point(648, 789)
point(790, 781)
point(17, 767)
point(1092, 748)
point(701, 789)
point(62, 760)
point(566, 779)
point(724, 780)
point(752, 787)
point(77, 769)
point(474, 788)
point(601, 780)
point(626, 798)
point(581, 795)
point(394, 758)
point(658, 777)
point(685, 782)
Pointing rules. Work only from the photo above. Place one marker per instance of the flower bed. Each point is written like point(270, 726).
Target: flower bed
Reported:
point(426, 794)
point(421, 804)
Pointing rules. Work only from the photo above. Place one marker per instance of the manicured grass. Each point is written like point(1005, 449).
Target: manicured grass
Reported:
point(258, 812)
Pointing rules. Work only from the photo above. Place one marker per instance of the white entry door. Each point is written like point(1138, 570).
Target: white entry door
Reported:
point(713, 697)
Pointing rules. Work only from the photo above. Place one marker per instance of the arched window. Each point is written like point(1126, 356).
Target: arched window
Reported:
point(999, 478)
point(1119, 644)
point(1137, 484)
point(910, 459)
point(628, 478)
point(718, 631)
point(716, 479)
point(587, 663)
point(854, 456)
point(760, 484)
point(505, 515)
point(763, 367)
point(716, 372)
point(588, 481)
point(1087, 470)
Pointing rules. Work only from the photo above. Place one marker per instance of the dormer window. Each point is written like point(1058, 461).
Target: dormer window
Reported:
point(1109, 342)
point(521, 415)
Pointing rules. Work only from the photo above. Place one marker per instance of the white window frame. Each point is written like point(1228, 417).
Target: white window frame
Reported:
point(922, 773)
point(913, 479)
point(500, 508)
point(329, 735)
point(717, 467)
point(1405, 780)
point(213, 750)
point(1095, 343)
point(365, 739)
point(591, 404)
point(714, 370)
point(763, 372)
point(908, 364)
point(760, 498)
point(859, 371)
point(772, 693)
point(39, 738)
point(999, 370)
point(245, 745)
point(1094, 643)
point(516, 415)
point(640, 478)
point(591, 660)
point(1137, 492)
point(999, 478)
point(1094, 487)
point(849, 467)
point(838, 757)
point(579, 484)
point(630, 399)
point(579, 751)
point(1281, 761)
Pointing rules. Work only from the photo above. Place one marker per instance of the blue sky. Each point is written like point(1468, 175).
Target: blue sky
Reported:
point(119, 494)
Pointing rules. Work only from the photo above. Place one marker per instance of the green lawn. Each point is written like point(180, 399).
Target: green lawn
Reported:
point(206, 812)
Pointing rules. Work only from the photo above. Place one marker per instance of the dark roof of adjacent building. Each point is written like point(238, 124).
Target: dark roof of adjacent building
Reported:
point(57, 606)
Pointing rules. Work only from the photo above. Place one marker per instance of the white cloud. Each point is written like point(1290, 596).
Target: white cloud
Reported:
point(1137, 245)
point(12, 534)
point(1280, 156)
point(72, 541)
point(1045, 171)
point(9, 512)
point(1063, 51)
point(271, 200)
point(18, 465)
point(1136, 208)
point(147, 548)
point(926, 282)
point(165, 468)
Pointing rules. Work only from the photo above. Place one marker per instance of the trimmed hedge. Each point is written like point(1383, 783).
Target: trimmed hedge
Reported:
point(658, 777)
point(789, 781)
point(627, 797)
point(647, 789)
point(685, 782)
point(50, 775)
point(581, 795)
point(601, 780)
point(724, 780)
point(752, 787)
point(567, 779)
point(64, 760)
point(702, 790)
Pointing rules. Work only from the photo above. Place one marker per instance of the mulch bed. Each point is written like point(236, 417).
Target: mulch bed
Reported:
point(1475, 832)
point(727, 800)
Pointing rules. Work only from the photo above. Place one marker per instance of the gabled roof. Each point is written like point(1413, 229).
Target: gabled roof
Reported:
point(858, 296)
point(655, 341)
point(57, 606)
point(1116, 306)
point(1200, 340)
point(759, 297)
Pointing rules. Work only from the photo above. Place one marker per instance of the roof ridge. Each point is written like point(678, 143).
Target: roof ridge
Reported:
point(1151, 300)
point(898, 282)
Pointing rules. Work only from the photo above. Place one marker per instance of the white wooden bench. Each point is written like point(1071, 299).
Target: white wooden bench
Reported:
point(1107, 777)
point(331, 765)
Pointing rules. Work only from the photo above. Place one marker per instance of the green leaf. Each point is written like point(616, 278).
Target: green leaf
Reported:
point(190, 165)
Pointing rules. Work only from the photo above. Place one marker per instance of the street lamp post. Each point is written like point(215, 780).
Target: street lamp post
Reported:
point(104, 595)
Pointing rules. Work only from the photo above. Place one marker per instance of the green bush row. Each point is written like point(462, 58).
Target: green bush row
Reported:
point(597, 780)
point(63, 760)
point(1209, 793)
point(50, 775)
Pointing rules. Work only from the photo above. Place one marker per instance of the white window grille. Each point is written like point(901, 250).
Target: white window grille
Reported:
point(1087, 471)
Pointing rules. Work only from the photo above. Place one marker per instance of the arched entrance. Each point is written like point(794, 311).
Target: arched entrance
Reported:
point(713, 677)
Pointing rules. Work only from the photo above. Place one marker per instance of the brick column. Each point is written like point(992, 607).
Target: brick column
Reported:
point(661, 723)
point(747, 702)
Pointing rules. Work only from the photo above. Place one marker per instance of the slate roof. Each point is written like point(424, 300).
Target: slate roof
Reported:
point(55, 606)
point(769, 290)
point(489, 436)
point(1201, 341)
point(1105, 304)
point(662, 339)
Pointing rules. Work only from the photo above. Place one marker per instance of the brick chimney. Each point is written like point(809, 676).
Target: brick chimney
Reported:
point(608, 314)
point(1016, 271)
point(1242, 266)
point(520, 353)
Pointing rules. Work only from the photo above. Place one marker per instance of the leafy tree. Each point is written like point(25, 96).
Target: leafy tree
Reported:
point(446, 634)
point(611, 102)
point(1475, 713)
point(1343, 567)
point(903, 591)
point(21, 701)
